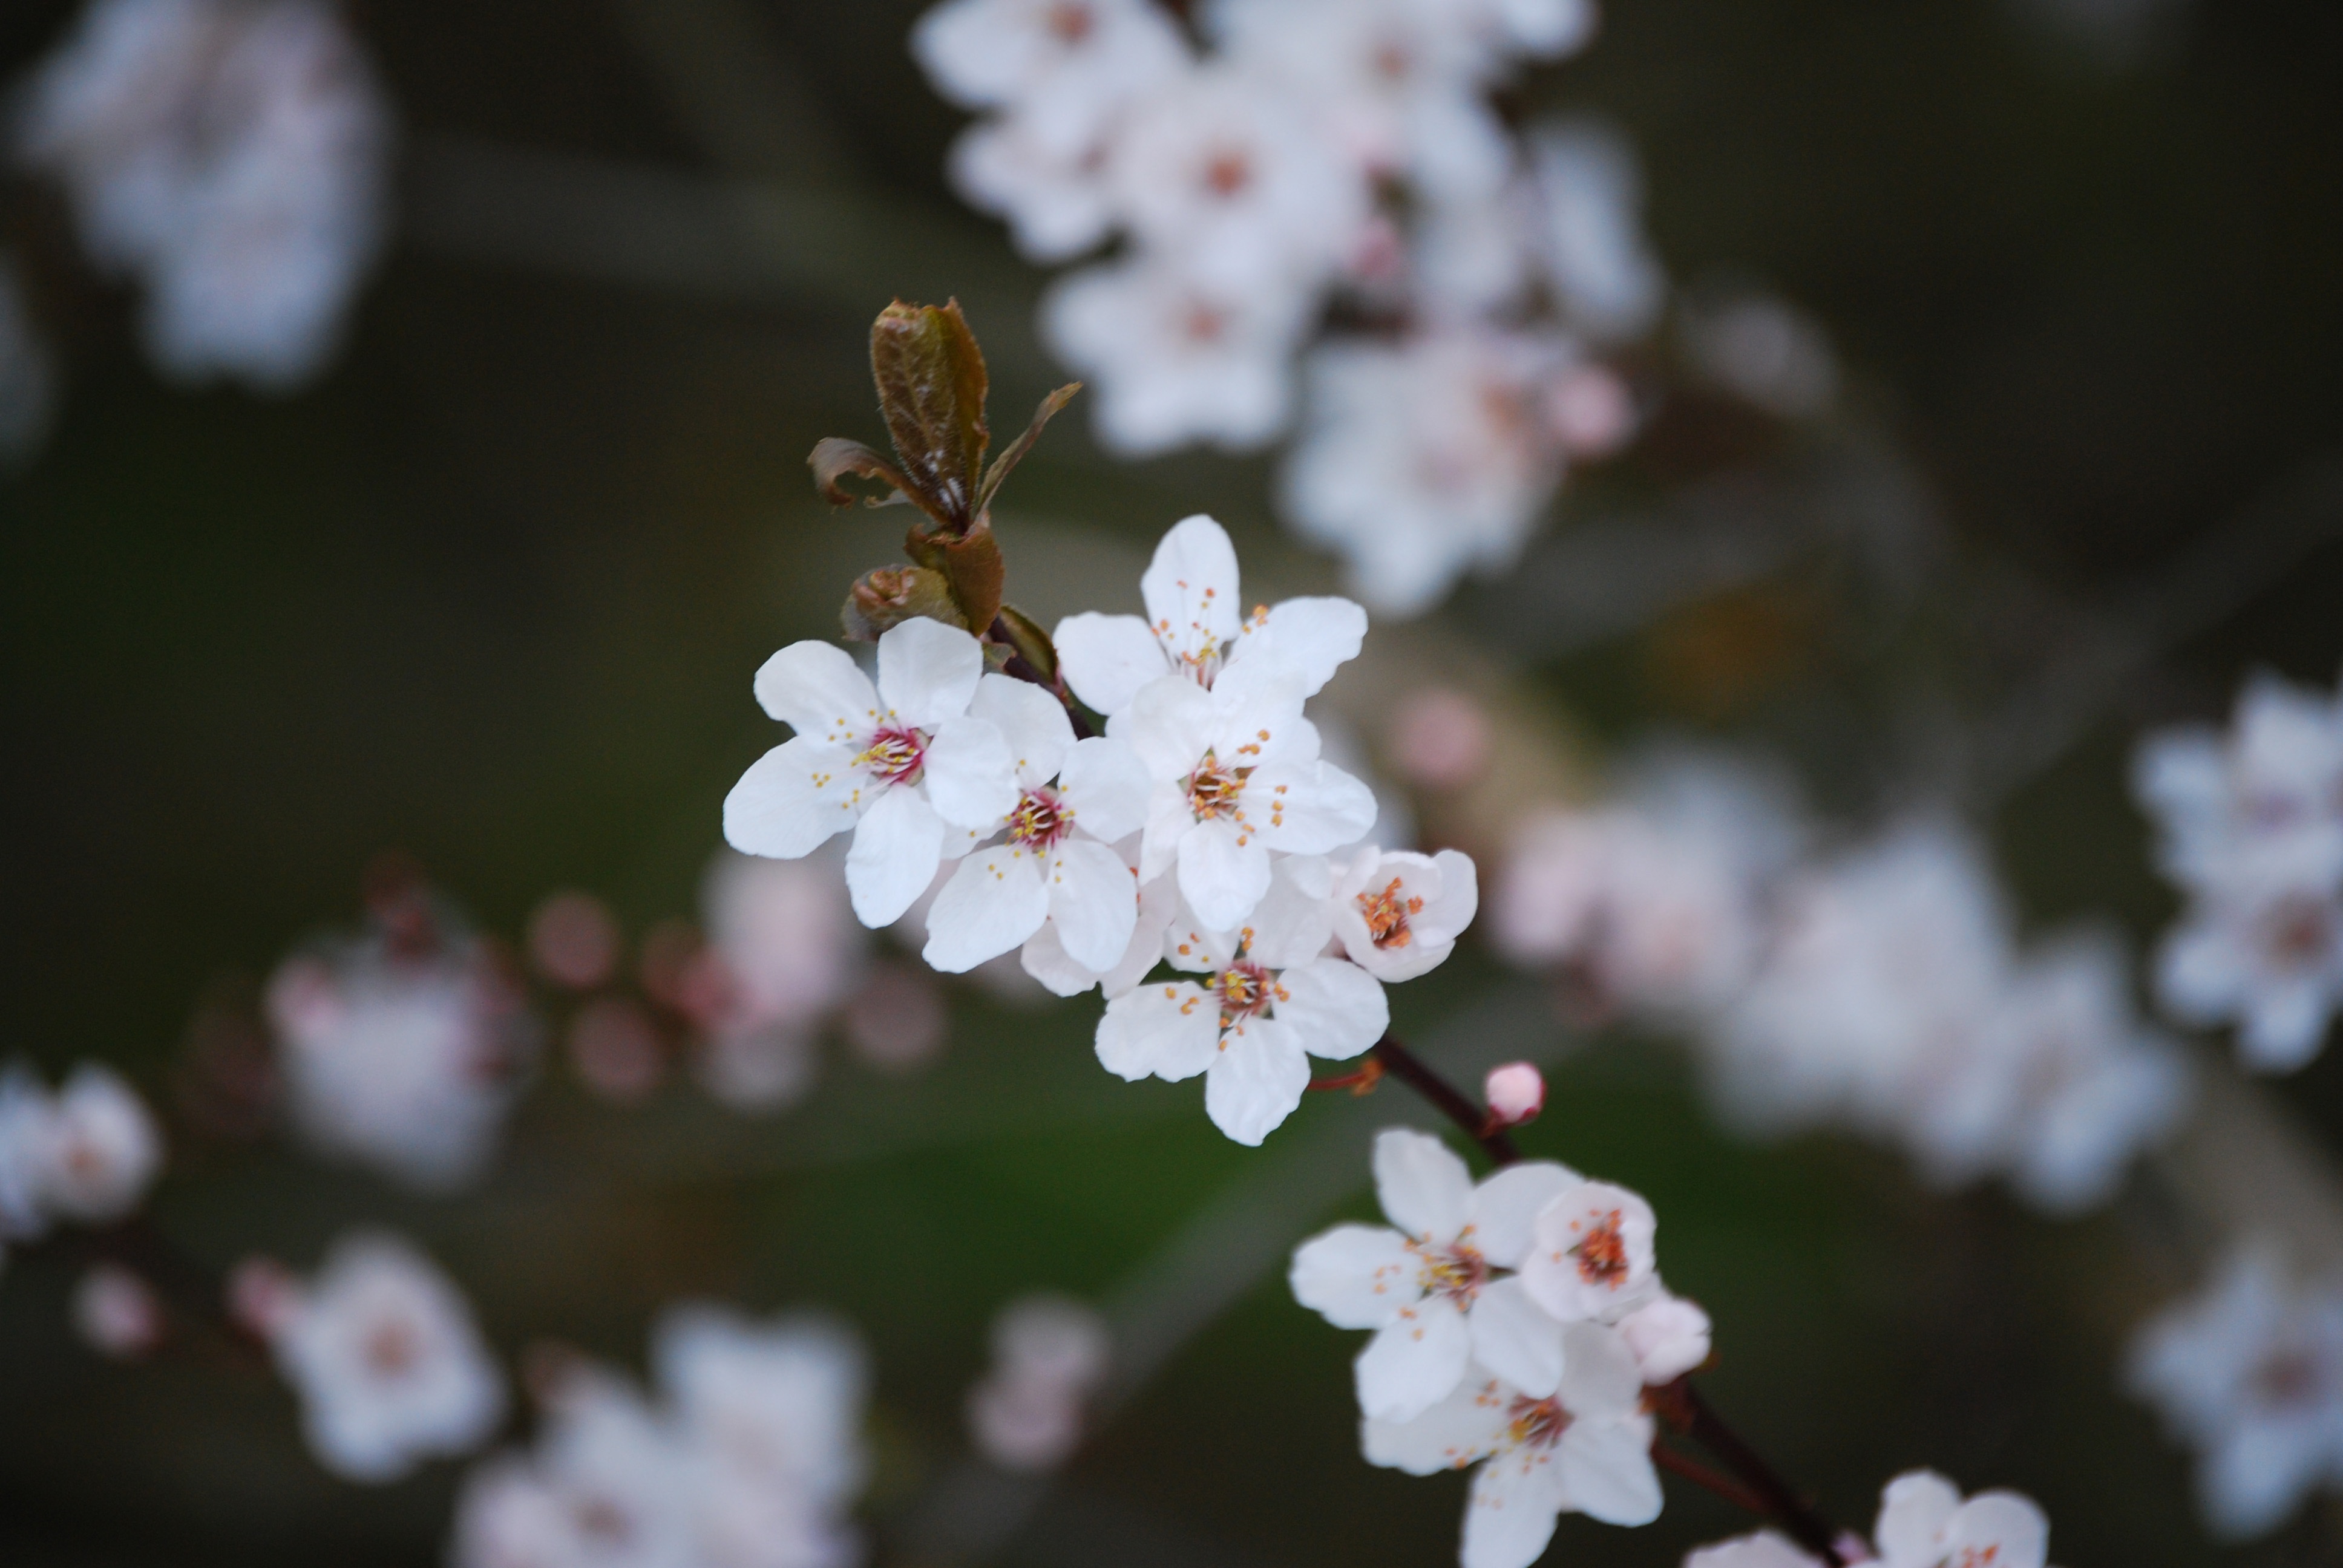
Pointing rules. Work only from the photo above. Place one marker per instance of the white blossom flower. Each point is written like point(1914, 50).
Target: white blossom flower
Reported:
point(1055, 861)
point(1224, 168)
point(1079, 60)
point(610, 1486)
point(1924, 1523)
point(1055, 198)
point(104, 1148)
point(1268, 1002)
point(783, 953)
point(2249, 1371)
point(1049, 1356)
point(1591, 1255)
point(1196, 624)
point(1176, 357)
point(1425, 460)
point(1235, 775)
point(1430, 1289)
point(1398, 914)
point(387, 1360)
point(779, 1403)
point(1590, 199)
point(406, 1061)
point(116, 1312)
point(1669, 1335)
point(1587, 1448)
point(233, 156)
point(897, 763)
point(1762, 1549)
point(2270, 962)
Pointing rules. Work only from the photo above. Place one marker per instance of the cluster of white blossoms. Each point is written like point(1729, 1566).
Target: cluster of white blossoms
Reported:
point(1203, 830)
point(752, 1461)
point(1318, 150)
point(2251, 830)
point(1923, 1522)
point(1883, 988)
point(403, 1047)
point(1517, 1322)
point(232, 156)
point(381, 1348)
point(2249, 1374)
point(1049, 1356)
point(84, 1154)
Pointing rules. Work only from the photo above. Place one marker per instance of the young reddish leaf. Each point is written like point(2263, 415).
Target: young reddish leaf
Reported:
point(931, 387)
point(834, 457)
point(1014, 453)
point(883, 600)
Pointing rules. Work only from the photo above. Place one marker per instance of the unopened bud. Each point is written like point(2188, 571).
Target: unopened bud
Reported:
point(1515, 1092)
point(884, 600)
point(116, 1313)
point(263, 1297)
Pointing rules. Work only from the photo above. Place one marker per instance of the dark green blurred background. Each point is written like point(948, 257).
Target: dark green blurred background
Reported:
point(493, 592)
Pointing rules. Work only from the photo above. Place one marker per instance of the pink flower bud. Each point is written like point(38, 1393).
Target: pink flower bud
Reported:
point(263, 1296)
point(116, 1313)
point(573, 940)
point(1515, 1092)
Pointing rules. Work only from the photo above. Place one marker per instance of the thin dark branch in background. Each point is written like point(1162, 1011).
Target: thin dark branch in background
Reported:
point(1403, 1064)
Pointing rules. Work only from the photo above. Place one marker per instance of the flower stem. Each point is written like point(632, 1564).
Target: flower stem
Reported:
point(1755, 1485)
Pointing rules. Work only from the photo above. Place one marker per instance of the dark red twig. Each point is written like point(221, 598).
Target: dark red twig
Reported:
point(1702, 1476)
point(1777, 1499)
point(1403, 1064)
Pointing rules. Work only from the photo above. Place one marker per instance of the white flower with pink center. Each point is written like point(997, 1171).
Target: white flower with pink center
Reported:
point(389, 1366)
point(1431, 1289)
point(1267, 1002)
point(1196, 624)
point(1923, 1523)
point(1072, 64)
point(1585, 1448)
point(899, 762)
point(1592, 1255)
point(1054, 862)
point(1398, 914)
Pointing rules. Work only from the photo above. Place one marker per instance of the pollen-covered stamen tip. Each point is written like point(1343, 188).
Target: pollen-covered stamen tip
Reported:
point(1457, 1273)
point(1537, 1422)
point(1214, 790)
point(1386, 914)
point(1246, 990)
point(1040, 819)
point(1602, 1251)
point(895, 756)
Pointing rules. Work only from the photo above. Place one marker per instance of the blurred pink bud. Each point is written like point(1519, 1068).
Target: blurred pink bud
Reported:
point(896, 1021)
point(1440, 739)
point(1515, 1092)
point(263, 1296)
point(573, 940)
point(1592, 412)
point(615, 1049)
point(116, 1313)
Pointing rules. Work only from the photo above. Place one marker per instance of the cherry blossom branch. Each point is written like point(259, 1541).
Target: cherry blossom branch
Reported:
point(1474, 1120)
point(1702, 1476)
point(1776, 1499)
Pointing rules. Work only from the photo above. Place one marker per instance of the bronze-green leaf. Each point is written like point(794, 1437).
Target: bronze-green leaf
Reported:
point(883, 600)
point(1030, 641)
point(931, 387)
point(834, 457)
point(1014, 453)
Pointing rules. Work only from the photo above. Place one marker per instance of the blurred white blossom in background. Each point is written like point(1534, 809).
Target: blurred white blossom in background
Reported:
point(1049, 1356)
point(752, 1461)
point(1923, 1522)
point(232, 157)
point(84, 1154)
point(1318, 153)
point(783, 953)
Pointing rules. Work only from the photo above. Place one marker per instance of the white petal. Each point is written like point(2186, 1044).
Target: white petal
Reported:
point(1423, 1186)
point(1257, 1081)
point(1606, 1470)
point(928, 671)
point(1507, 1205)
point(1107, 786)
point(1290, 926)
point(994, 901)
point(1331, 1007)
point(1106, 659)
point(1093, 901)
point(970, 774)
point(1513, 1337)
point(1159, 902)
point(1032, 722)
point(1312, 637)
point(1171, 1031)
point(1999, 1527)
point(1171, 724)
point(1669, 1337)
point(1764, 1549)
point(1599, 1375)
point(1190, 588)
point(1459, 898)
point(1415, 1361)
point(1470, 1422)
point(1309, 809)
point(1912, 1512)
point(1223, 873)
point(896, 851)
point(817, 689)
point(793, 798)
point(1044, 958)
point(1169, 821)
point(1356, 1276)
point(1509, 1518)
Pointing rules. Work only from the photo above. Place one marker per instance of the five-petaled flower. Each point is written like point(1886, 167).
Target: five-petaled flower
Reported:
point(1592, 1257)
point(1430, 1289)
point(897, 763)
point(1398, 913)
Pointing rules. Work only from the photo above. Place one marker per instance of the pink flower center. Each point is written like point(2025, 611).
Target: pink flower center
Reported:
point(1386, 914)
point(1246, 990)
point(1040, 819)
point(1537, 1422)
point(895, 756)
point(1602, 1251)
point(393, 1348)
point(2299, 932)
point(1214, 790)
point(1457, 1273)
point(1071, 22)
point(1228, 172)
